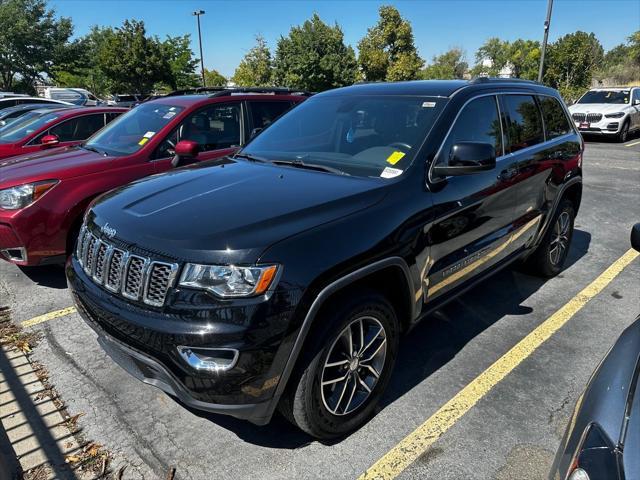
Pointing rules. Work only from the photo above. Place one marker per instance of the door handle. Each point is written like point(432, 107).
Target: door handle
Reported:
point(507, 174)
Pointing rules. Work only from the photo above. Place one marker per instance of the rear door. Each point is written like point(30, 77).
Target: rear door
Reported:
point(474, 213)
point(262, 113)
point(539, 157)
point(219, 130)
point(72, 131)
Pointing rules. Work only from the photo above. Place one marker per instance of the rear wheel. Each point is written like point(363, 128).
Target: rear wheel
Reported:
point(549, 257)
point(346, 370)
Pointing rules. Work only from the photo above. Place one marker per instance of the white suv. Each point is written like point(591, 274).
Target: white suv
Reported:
point(608, 111)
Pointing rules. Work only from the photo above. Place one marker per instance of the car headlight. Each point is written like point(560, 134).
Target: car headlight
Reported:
point(228, 280)
point(615, 115)
point(20, 196)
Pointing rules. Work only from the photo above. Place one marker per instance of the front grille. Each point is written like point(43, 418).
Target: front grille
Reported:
point(594, 117)
point(579, 117)
point(133, 276)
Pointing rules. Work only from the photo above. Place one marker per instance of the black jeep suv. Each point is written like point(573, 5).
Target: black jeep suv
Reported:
point(285, 276)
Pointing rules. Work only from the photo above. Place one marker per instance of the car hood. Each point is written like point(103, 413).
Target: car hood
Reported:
point(57, 163)
point(228, 211)
point(597, 108)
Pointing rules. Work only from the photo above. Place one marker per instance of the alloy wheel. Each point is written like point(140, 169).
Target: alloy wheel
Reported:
point(560, 238)
point(353, 366)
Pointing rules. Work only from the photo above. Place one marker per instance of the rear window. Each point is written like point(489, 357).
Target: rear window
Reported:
point(524, 125)
point(555, 120)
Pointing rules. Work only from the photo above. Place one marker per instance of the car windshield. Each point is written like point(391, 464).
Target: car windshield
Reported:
point(25, 126)
point(606, 96)
point(362, 135)
point(130, 132)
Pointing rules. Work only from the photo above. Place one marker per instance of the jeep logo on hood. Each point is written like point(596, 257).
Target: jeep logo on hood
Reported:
point(108, 231)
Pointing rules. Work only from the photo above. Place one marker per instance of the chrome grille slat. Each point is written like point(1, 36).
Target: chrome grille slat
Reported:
point(594, 117)
point(132, 276)
point(579, 117)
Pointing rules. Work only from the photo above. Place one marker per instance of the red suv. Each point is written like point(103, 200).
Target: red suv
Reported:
point(43, 129)
point(43, 196)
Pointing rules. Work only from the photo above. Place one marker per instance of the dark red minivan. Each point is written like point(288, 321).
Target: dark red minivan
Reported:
point(45, 129)
point(43, 195)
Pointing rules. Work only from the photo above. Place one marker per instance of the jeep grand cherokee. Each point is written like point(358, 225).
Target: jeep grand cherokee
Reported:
point(284, 276)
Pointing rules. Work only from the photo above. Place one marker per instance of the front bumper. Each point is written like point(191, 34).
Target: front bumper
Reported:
point(144, 342)
point(605, 127)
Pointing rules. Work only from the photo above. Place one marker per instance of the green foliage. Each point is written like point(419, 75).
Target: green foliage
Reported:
point(387, 51)
point(256, 68)
point(314, 57)
point(177, 51)
point(572, 61)
point(131, 61)
point(621, 64)
point(213, 78)
point(524, 59)
point(447, 66)
point(520, 57)
point(491, 57)
point(31, 41)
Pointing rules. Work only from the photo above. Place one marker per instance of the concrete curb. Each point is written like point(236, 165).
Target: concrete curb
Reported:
point(9, 465)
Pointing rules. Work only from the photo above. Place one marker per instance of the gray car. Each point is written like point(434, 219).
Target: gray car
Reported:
point(602, 440)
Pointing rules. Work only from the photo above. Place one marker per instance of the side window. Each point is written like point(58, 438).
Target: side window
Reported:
point(9, 103)
point(636, 95)
point(478, 122)
point(213, 128)
point(524, 125)
point(111, 116)
point(264, 114)
point(77, 129)
point(555, 120)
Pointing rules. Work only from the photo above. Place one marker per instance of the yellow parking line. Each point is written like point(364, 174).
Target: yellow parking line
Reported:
point(632, 144)
point(420, 440)
point(48, 316)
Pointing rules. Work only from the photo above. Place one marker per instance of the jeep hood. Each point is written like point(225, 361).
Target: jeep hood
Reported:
point(58, 163)
point(603, 108)
point(228, 211)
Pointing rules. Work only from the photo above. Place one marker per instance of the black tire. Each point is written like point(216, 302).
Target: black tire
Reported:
point(306, 403)
point(545, 261)
point(623, 136)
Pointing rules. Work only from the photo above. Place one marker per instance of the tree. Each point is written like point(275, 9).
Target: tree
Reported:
point(177, 51)
point(133, 62)
point(314, 57)
point(491, 57)
point(213, 78)
point(524, 59)
point(31, 40)
point(621, 64)
point(387, 51)
point(634, 48)
point(256, 68)
point(572, 61)
point(449, 65)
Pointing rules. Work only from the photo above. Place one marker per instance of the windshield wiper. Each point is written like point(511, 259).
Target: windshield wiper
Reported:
point(309, 166)
point(251, 158)
point(93, 149)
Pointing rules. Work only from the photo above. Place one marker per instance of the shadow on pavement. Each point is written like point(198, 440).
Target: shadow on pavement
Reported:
point(51, 276)
point(428, 347)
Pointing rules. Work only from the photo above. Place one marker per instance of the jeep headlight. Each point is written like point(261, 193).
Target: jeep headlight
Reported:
point(229, 280)
point(615, 115)
point(20, 196)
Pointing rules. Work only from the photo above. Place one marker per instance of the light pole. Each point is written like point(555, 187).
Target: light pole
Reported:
point(547, 23)
point(197, 13)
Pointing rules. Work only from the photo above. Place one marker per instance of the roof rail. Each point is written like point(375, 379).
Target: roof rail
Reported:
point(502, 79)
point(191, 91)
point(260, 90)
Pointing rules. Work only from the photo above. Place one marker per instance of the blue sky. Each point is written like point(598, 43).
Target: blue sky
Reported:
point(229, 27)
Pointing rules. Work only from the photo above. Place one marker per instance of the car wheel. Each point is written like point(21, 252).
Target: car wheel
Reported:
point(549, 257)
point(347, 370)
point(624, 132)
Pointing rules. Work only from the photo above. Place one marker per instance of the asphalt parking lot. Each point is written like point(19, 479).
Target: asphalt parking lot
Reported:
point(509, 431)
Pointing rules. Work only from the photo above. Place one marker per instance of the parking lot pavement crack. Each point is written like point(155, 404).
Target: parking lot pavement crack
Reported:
point(147, 453)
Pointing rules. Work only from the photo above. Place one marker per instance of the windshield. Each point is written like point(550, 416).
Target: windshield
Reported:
point(362, 135)
point(131, 131)
point(606, 96)
point(25, 126)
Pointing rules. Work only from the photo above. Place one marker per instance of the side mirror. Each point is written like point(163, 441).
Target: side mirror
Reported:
point(50, 140)
point(635, 237)
point(467, 158)
point(186, 151)
point(636, 101)
point(255, 132)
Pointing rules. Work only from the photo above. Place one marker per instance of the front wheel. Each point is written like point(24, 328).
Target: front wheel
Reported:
point(623, 136)
point(347, 369)
point(549, 257)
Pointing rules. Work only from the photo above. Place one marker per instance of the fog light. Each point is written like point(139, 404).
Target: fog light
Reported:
point(579, 474)
point(209, 359)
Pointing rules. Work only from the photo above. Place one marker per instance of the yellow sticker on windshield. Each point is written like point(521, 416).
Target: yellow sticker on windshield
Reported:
point(395, 157)
point(143, 141)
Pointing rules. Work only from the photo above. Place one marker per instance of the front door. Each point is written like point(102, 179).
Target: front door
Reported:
point(474, 213)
